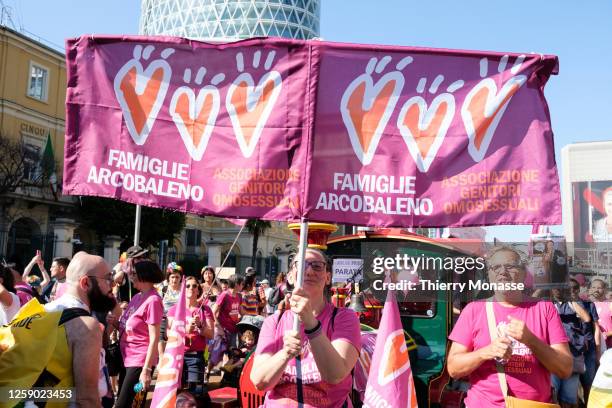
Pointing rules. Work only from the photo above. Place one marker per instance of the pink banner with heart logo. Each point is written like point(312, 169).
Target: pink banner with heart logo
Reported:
point(282, 129)
point(425, 137)
point(202, 128)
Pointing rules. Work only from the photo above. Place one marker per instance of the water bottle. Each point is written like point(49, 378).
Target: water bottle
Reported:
point(140, 396)
point(502, 333)
point(138, 387)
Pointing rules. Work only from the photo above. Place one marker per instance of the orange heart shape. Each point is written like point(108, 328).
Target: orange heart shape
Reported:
point(397, 356)
point(140, 106)
point(477, 108)
point(248, 118)
point(195, 127)
point(424, 138)
point(365, 122)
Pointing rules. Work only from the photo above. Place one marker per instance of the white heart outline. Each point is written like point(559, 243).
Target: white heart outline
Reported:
point(254, 94)
point(491, 105)
point(142, 79)
point(195, 108)
point(426, 115)
point(371, 91)
point(382, 379)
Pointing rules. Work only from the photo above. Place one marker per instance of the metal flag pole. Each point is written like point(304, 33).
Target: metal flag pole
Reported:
point(137, 224)
point(232, 247)
point(136, 241)
point(205, 296)
point(299, 281)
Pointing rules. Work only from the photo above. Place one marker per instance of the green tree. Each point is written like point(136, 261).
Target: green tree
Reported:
point(107, 216)
point(256, 227)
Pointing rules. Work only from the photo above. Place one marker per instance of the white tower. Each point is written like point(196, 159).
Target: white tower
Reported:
point(231, 19)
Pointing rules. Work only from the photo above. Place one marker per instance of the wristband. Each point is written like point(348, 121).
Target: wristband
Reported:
point(314, 332)
point(149, 369)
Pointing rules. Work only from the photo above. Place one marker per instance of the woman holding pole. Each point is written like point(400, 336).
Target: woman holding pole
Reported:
point(311, 366)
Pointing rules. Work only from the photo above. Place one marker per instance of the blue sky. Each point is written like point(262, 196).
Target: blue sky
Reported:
point(579, 33)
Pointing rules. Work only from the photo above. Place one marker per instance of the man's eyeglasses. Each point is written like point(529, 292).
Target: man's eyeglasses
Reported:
point(317, 266)
point(512, 268)
point(108, 279)
point(575, 287)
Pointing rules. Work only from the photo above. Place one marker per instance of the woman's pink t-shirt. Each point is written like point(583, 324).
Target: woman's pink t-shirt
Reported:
point(194, 341)
point(143, 310)
point(527, 377)
point(317, 393)
point(229, 310)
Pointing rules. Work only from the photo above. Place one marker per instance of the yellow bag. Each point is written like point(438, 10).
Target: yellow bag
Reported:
point(601, 391)
point(34, 350)
point(512, 402)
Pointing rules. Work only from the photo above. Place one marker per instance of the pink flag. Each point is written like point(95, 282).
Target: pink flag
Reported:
point(237, 221)
point(171, 368)
point(280, 129)
point(390, 381)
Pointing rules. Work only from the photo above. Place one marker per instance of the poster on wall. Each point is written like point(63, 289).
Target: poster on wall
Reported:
point(548, 261)
point(347, 269)
point(592, 210)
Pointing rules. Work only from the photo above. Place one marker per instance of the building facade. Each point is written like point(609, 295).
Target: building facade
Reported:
point(210, 238)
point(33, 214)
point(231, 19)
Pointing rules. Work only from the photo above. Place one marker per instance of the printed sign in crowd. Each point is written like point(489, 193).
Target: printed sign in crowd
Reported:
point(283, 129)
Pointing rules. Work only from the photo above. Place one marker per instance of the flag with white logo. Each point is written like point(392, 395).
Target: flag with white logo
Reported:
point(390, 383)
point(171, 368)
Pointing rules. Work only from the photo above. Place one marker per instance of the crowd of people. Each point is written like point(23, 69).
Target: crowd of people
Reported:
point(512, 346)
point(133, 305)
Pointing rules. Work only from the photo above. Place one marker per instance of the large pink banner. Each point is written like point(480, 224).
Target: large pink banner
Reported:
point(282, 129)
point(432, 138)
point(202, 128)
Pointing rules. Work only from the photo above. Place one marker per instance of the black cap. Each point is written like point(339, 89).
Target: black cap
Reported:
point(136, 251)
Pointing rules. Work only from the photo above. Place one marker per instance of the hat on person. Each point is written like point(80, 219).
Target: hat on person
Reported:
point(250, 322)
point(136, 251)
point(173, 266)
point(265, 282)
point(250, 271)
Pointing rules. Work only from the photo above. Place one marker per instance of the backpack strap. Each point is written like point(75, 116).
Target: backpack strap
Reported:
point(333, 318)
point(72, 313)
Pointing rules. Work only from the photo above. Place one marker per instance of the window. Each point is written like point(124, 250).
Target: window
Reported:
point(39, 82)
point(194, 237)
point(32, 157)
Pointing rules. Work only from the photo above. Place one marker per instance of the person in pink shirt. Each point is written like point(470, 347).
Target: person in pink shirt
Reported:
point(55, 288)
point(199, 328)
point(227, 309)
point(327, 344)
point(598, 289)
point(139, 329)
point(530, 342)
